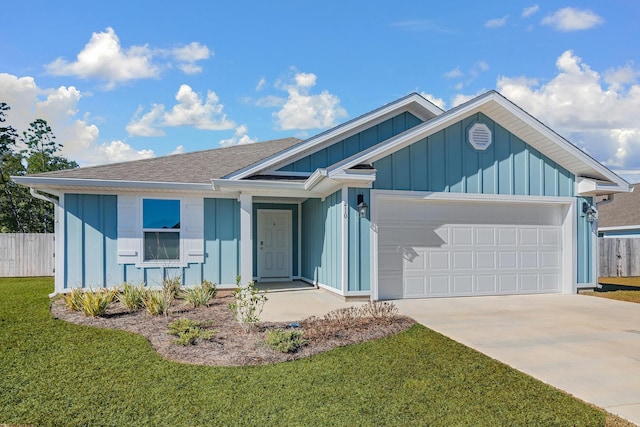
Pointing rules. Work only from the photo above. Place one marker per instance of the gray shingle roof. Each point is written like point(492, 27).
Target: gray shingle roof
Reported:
point(196, 167)
point(623, 210)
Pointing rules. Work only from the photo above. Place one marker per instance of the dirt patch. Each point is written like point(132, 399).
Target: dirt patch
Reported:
point(231, 346)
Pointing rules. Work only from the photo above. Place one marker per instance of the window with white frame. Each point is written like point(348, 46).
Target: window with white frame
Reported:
point(161, 229)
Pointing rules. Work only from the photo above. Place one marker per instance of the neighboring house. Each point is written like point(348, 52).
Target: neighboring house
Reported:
point(619, 216)
point(406, 201)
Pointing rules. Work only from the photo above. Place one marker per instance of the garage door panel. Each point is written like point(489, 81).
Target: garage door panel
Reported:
point(462, 260)
point(486, 284)
point(448, 249)
point(463, 285)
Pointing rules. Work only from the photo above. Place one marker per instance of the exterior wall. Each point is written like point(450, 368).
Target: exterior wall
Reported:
point(294, 233)
point(90, 235)
point(91, 246)
point(586, 236)
point(359, 243)
point(321, 240)
point(354, 144)
point(446, 162)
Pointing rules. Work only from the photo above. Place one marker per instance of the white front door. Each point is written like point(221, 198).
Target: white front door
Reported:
point(274, 244)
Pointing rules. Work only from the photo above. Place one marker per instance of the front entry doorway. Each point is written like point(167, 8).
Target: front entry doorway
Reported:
point(274, 244)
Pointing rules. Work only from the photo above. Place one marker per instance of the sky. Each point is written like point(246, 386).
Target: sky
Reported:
point(120, 80)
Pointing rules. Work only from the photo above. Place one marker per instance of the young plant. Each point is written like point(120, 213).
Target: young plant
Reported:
point(95, 303)
point(155, 303)
point(172, 286)
point(73, 299)
point(132, 297)
point(248, 304)
point(200, 295)
point(285, 341)
point(189, 331)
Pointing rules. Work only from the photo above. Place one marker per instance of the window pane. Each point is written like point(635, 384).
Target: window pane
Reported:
point(160, 246)
point(158, 213)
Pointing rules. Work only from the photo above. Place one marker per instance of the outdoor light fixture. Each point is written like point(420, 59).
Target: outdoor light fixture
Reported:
point(590, 212)
point(362, 206)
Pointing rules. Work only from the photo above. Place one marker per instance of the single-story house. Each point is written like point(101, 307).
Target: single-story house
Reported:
point(405, 201)
point(619, 215)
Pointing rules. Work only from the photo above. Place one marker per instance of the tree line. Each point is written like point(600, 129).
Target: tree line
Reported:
point(34, 151)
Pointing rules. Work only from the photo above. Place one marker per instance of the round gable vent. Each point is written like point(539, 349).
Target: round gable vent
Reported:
point(480, 136)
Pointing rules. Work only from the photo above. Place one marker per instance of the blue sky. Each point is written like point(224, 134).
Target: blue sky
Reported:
point(126, 80)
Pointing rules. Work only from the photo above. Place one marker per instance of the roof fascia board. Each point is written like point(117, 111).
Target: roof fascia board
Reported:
point(340, 132)
point(51, 182)
point(274, 189)
point(475, 105)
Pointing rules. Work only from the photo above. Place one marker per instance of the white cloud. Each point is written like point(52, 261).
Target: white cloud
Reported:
point(178, 150)
point(529, 11)
point(303, 110)
point(118, 151)
point(572, 19)
point(240, 137)
point(262, 83)
point(103, 58)
point(594, 110)
point(497, 22)
point(189, 55)
point(59, 107)
point(454, 73)
point(434, 100)
point(191, 110)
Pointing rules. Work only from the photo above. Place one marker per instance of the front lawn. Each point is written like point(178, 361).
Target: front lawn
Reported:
point(630, 296)
point(620, 281)
point(56, 373)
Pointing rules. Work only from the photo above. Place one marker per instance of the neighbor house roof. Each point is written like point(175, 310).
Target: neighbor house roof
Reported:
point(622, 211)
point(196, 167)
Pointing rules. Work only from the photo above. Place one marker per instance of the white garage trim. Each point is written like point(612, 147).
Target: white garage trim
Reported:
point(568, 225)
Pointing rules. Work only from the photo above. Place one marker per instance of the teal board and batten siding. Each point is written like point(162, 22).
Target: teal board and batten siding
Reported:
point(585, 243)
point(322, 240)
point(359, 243)
point(90, 235)
point(91, 245)
point(446, 162)
point(354, 144)
point(294, 233)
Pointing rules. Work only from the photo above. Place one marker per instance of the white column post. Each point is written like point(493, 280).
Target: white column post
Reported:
point(59, 243)
point(246, 238)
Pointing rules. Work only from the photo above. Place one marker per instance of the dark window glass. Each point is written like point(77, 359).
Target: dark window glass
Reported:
point(161, 245)
point(158, 213)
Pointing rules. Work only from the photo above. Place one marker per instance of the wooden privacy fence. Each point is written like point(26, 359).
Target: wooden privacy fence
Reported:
point(619, 257)
point(26, 254)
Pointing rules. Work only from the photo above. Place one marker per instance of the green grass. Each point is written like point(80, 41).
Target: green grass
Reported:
point(55, 373)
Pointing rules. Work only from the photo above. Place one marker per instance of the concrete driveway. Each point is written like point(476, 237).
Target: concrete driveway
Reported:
point(586, 346)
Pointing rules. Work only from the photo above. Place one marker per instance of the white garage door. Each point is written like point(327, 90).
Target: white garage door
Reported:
point(441, 249)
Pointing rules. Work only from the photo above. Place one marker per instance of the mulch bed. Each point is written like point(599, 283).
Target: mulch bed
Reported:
point(231, 346)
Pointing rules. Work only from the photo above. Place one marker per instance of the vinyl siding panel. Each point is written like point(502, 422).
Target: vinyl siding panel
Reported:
point(353, 144)
point(322, 240)
point(446, 162)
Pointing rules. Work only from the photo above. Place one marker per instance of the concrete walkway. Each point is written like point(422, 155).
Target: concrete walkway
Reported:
point(586, 346)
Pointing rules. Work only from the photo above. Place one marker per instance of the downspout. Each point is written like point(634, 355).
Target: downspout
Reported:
point(55, 202)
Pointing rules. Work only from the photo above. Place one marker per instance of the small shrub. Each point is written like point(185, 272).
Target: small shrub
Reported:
point(285, 341)
point(248, 304)
point(73, 299)
point(200, 295)
point(380, 310)
point(172, 286)
point(155, 303)
point(189, 331)
point(132, 297)
point(95, 303)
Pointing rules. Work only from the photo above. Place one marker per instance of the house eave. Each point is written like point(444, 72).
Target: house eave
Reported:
point(77, 184)
point(412, 103)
